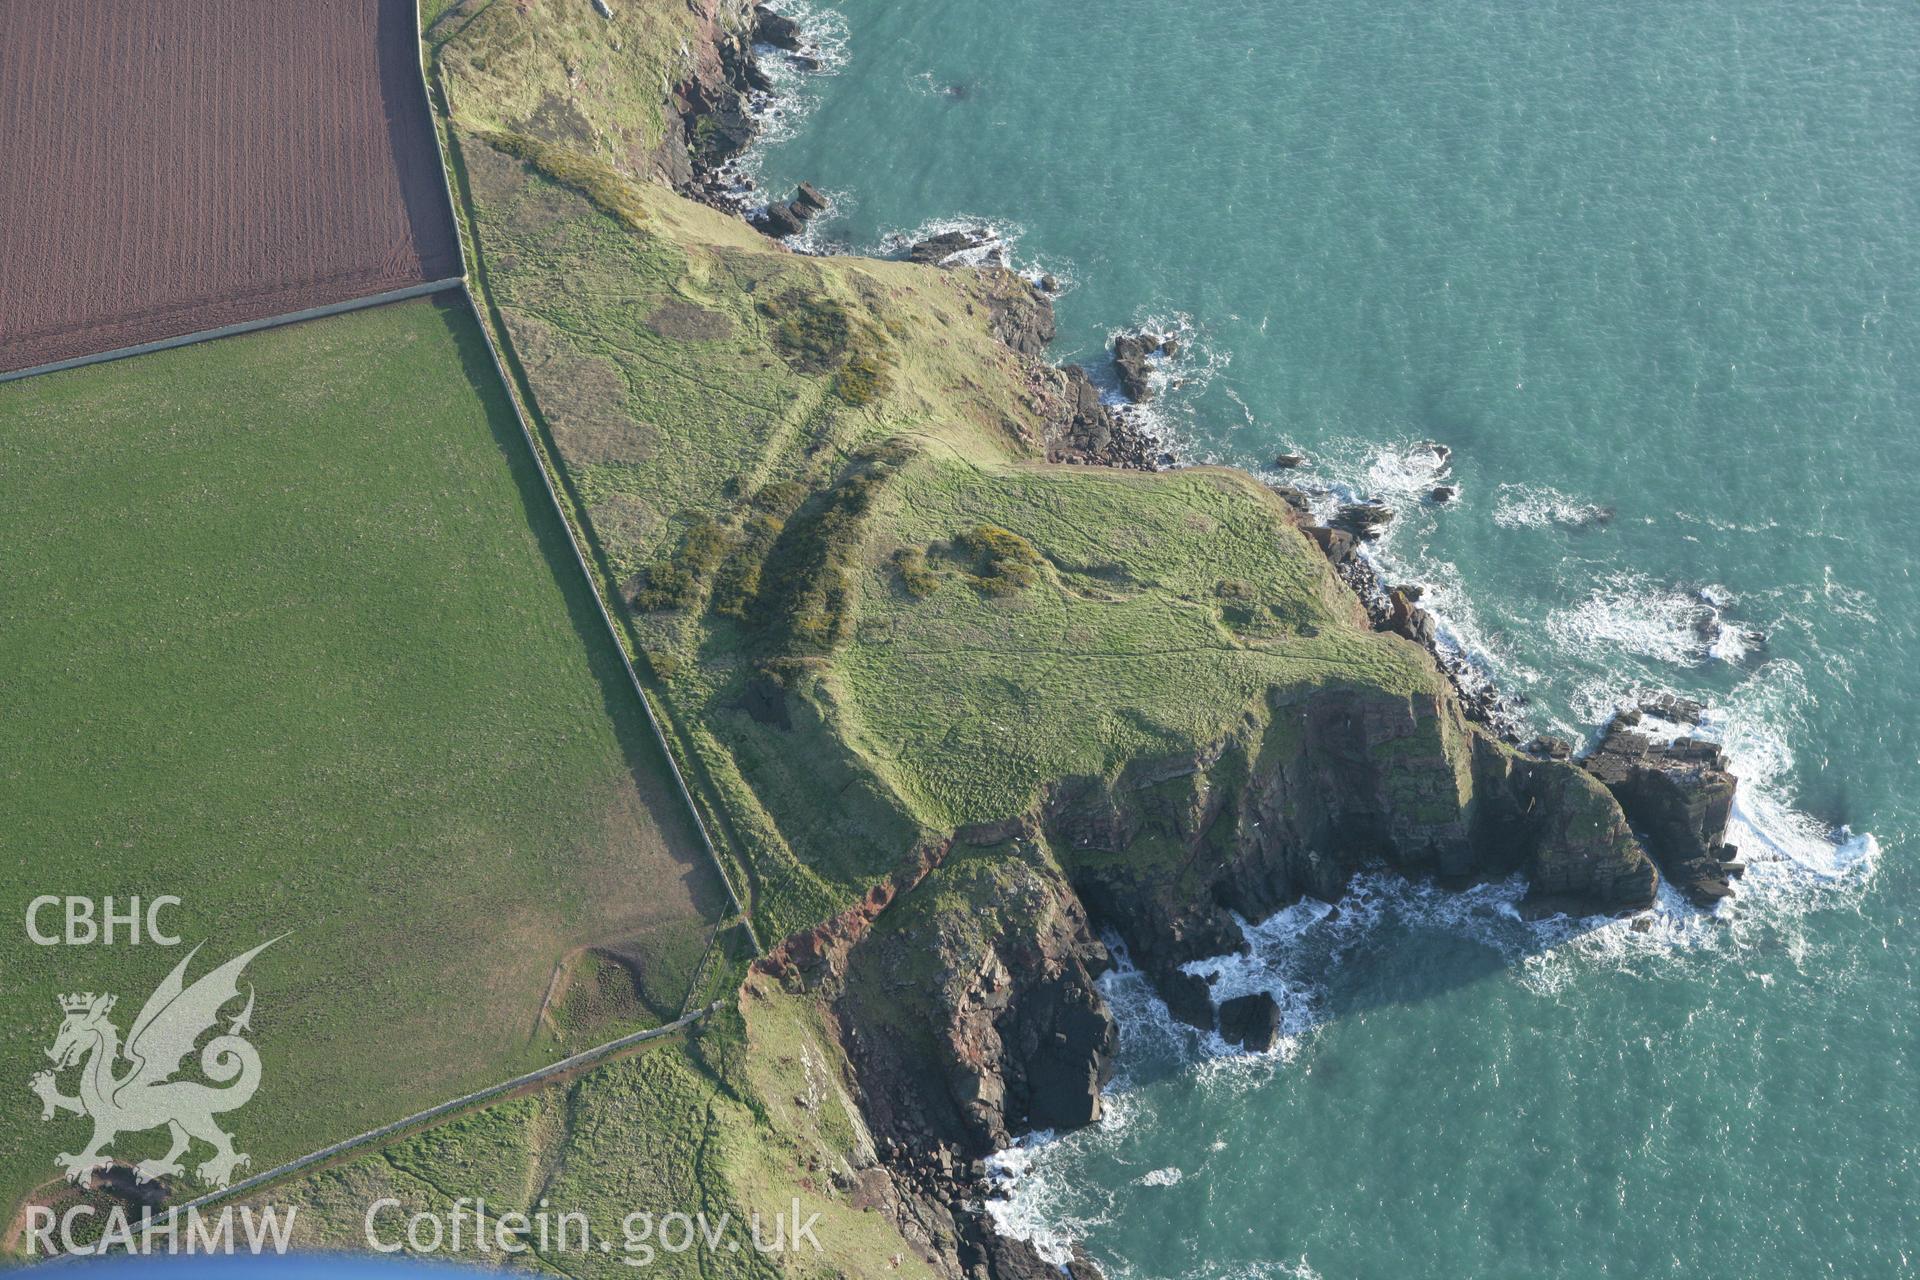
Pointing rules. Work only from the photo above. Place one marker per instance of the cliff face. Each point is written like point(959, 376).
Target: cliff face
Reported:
point(709, 122)
point(965, 990)
point(962, 990)
point(962, 994)
point(1333, 782)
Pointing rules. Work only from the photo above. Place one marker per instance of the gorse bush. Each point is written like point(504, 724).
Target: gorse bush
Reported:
point(676, 581)
point(817, 335)
point(812, 334)
point(862, 380)
point(1003, 561)
point(919, 580)
point(739, 581)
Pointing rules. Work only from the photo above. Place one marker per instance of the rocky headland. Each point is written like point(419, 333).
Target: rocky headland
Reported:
point(960, 991)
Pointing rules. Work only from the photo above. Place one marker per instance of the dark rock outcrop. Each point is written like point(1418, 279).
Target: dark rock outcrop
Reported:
point(779, 220)
point(1253, 1022)
point(1363, 519)
point(710, 119)
point(938, 250)
point(961, 991)
point(1130, 352)
point(783, 218)
point(1020, 316)
point(1408, 619)
point(964, 1036)
point(1678, 795)
point(776, 29)
point(1186, 995)
point(1081, 428)
point(807, 201)
point(1336, 544)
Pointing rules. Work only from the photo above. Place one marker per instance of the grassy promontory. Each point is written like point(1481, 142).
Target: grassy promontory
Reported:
point(937, 698)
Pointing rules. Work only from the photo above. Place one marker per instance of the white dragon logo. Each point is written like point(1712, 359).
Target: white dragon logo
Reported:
point(146, 1096)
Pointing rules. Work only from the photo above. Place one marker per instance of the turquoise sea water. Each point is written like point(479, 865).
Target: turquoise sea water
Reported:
point(1662, 259)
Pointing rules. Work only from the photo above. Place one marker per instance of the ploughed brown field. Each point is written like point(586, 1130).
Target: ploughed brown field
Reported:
point(168, 166)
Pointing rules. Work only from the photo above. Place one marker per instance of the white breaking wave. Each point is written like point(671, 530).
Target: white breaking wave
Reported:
point(998, 238)
point(1631, 613)
point(1525, 506)
point(1000, 248)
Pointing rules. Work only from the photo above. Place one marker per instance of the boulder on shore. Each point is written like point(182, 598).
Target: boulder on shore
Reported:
point(1336, 544)
point(1082, 429)
point(1407, 618)
point(779, 220)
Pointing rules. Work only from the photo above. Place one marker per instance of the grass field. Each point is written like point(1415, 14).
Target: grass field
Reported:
point(291, 632)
